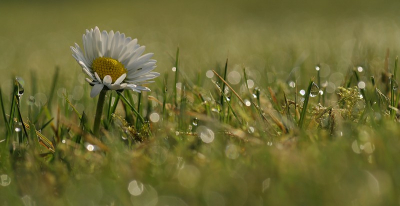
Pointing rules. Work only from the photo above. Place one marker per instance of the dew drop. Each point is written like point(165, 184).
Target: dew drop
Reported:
point(205, 134)
point(135, 188)
point(195, 122)
point(20, 84)
point(5, 180)
point(250, 83)
point(154, 117)
point(31, 100)
point(302, 92)
point(360, 69)
point(251, 130)
point(174, 69)
point(90, 147)
point(247, 102)
point(361, 85)
point(292, 84)
point(232, 151)
point(395, 85)
point(265, 184)
point(210, 74)
point(314, 90)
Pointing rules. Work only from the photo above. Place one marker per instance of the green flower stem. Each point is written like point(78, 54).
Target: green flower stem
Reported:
point(99, 111)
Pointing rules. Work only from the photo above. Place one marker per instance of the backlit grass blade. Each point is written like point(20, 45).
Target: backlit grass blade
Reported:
point(131, 107)
point(176, 78)
point(53, 87)
point(4, 113)
point(114, 107)
point(305, 104)
point(223, 83)
point(45, 124)
point(139, 108)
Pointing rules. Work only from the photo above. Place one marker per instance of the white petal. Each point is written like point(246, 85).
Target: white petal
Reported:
point(104, 38)
point(114, 45)
point(97, 42)
point(120, 79)
point(107, 80)
point(123, 85)
point(96, 89)
point(97, 77)
point(145, 68)
point(109, 44)
point(89, 80)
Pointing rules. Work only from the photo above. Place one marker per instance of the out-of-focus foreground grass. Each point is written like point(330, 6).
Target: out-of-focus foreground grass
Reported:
point(344, 151)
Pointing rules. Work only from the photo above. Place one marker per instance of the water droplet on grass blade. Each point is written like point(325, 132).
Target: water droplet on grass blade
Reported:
point(251, 130)
point(135, 188)
point(154, 117)
point(195, 122)
point(250, 83)
point(361, 85)
point(314, 90)
point(395, 85)
point(232, 151)
point(20, 84)
point(210, 74)
point(205, 134)
point(31, 100)
point(292, 84)
point(360, 69)
point(5, 180)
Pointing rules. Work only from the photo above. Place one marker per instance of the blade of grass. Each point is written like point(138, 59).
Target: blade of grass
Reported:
point(223, 83)
point(12, 109)
point(131, 107)
point(53, 86)
point(109, 107)
point(237, 95)
point(113, 108)
point(305, 104)
point(45, 124)
point(138, 111)
point(4, 114)
point(20, 117)
point(165, 95)
point(176, 78)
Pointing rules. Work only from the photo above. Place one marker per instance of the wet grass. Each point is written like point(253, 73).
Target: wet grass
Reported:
point(301, 113)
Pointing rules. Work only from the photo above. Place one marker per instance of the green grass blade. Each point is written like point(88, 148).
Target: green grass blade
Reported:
point(45, 124)
point(4, 113)
point(131, 107)
point(305, 104)
point(176, 78)
point(53, 86)
point(138, 111)
point(223, 83)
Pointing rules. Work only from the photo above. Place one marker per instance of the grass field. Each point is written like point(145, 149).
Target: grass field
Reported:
point(309, 113)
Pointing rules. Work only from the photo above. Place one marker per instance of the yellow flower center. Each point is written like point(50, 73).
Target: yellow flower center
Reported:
point(104, 66)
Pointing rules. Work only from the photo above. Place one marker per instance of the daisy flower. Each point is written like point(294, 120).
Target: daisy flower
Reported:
point(114, 62)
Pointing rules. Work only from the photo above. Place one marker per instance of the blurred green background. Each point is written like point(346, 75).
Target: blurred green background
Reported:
point(273, 35)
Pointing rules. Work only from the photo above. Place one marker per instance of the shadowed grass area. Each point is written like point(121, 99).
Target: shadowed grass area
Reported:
point(273, 103)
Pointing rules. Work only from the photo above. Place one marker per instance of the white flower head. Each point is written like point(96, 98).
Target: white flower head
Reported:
point(114, 61)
